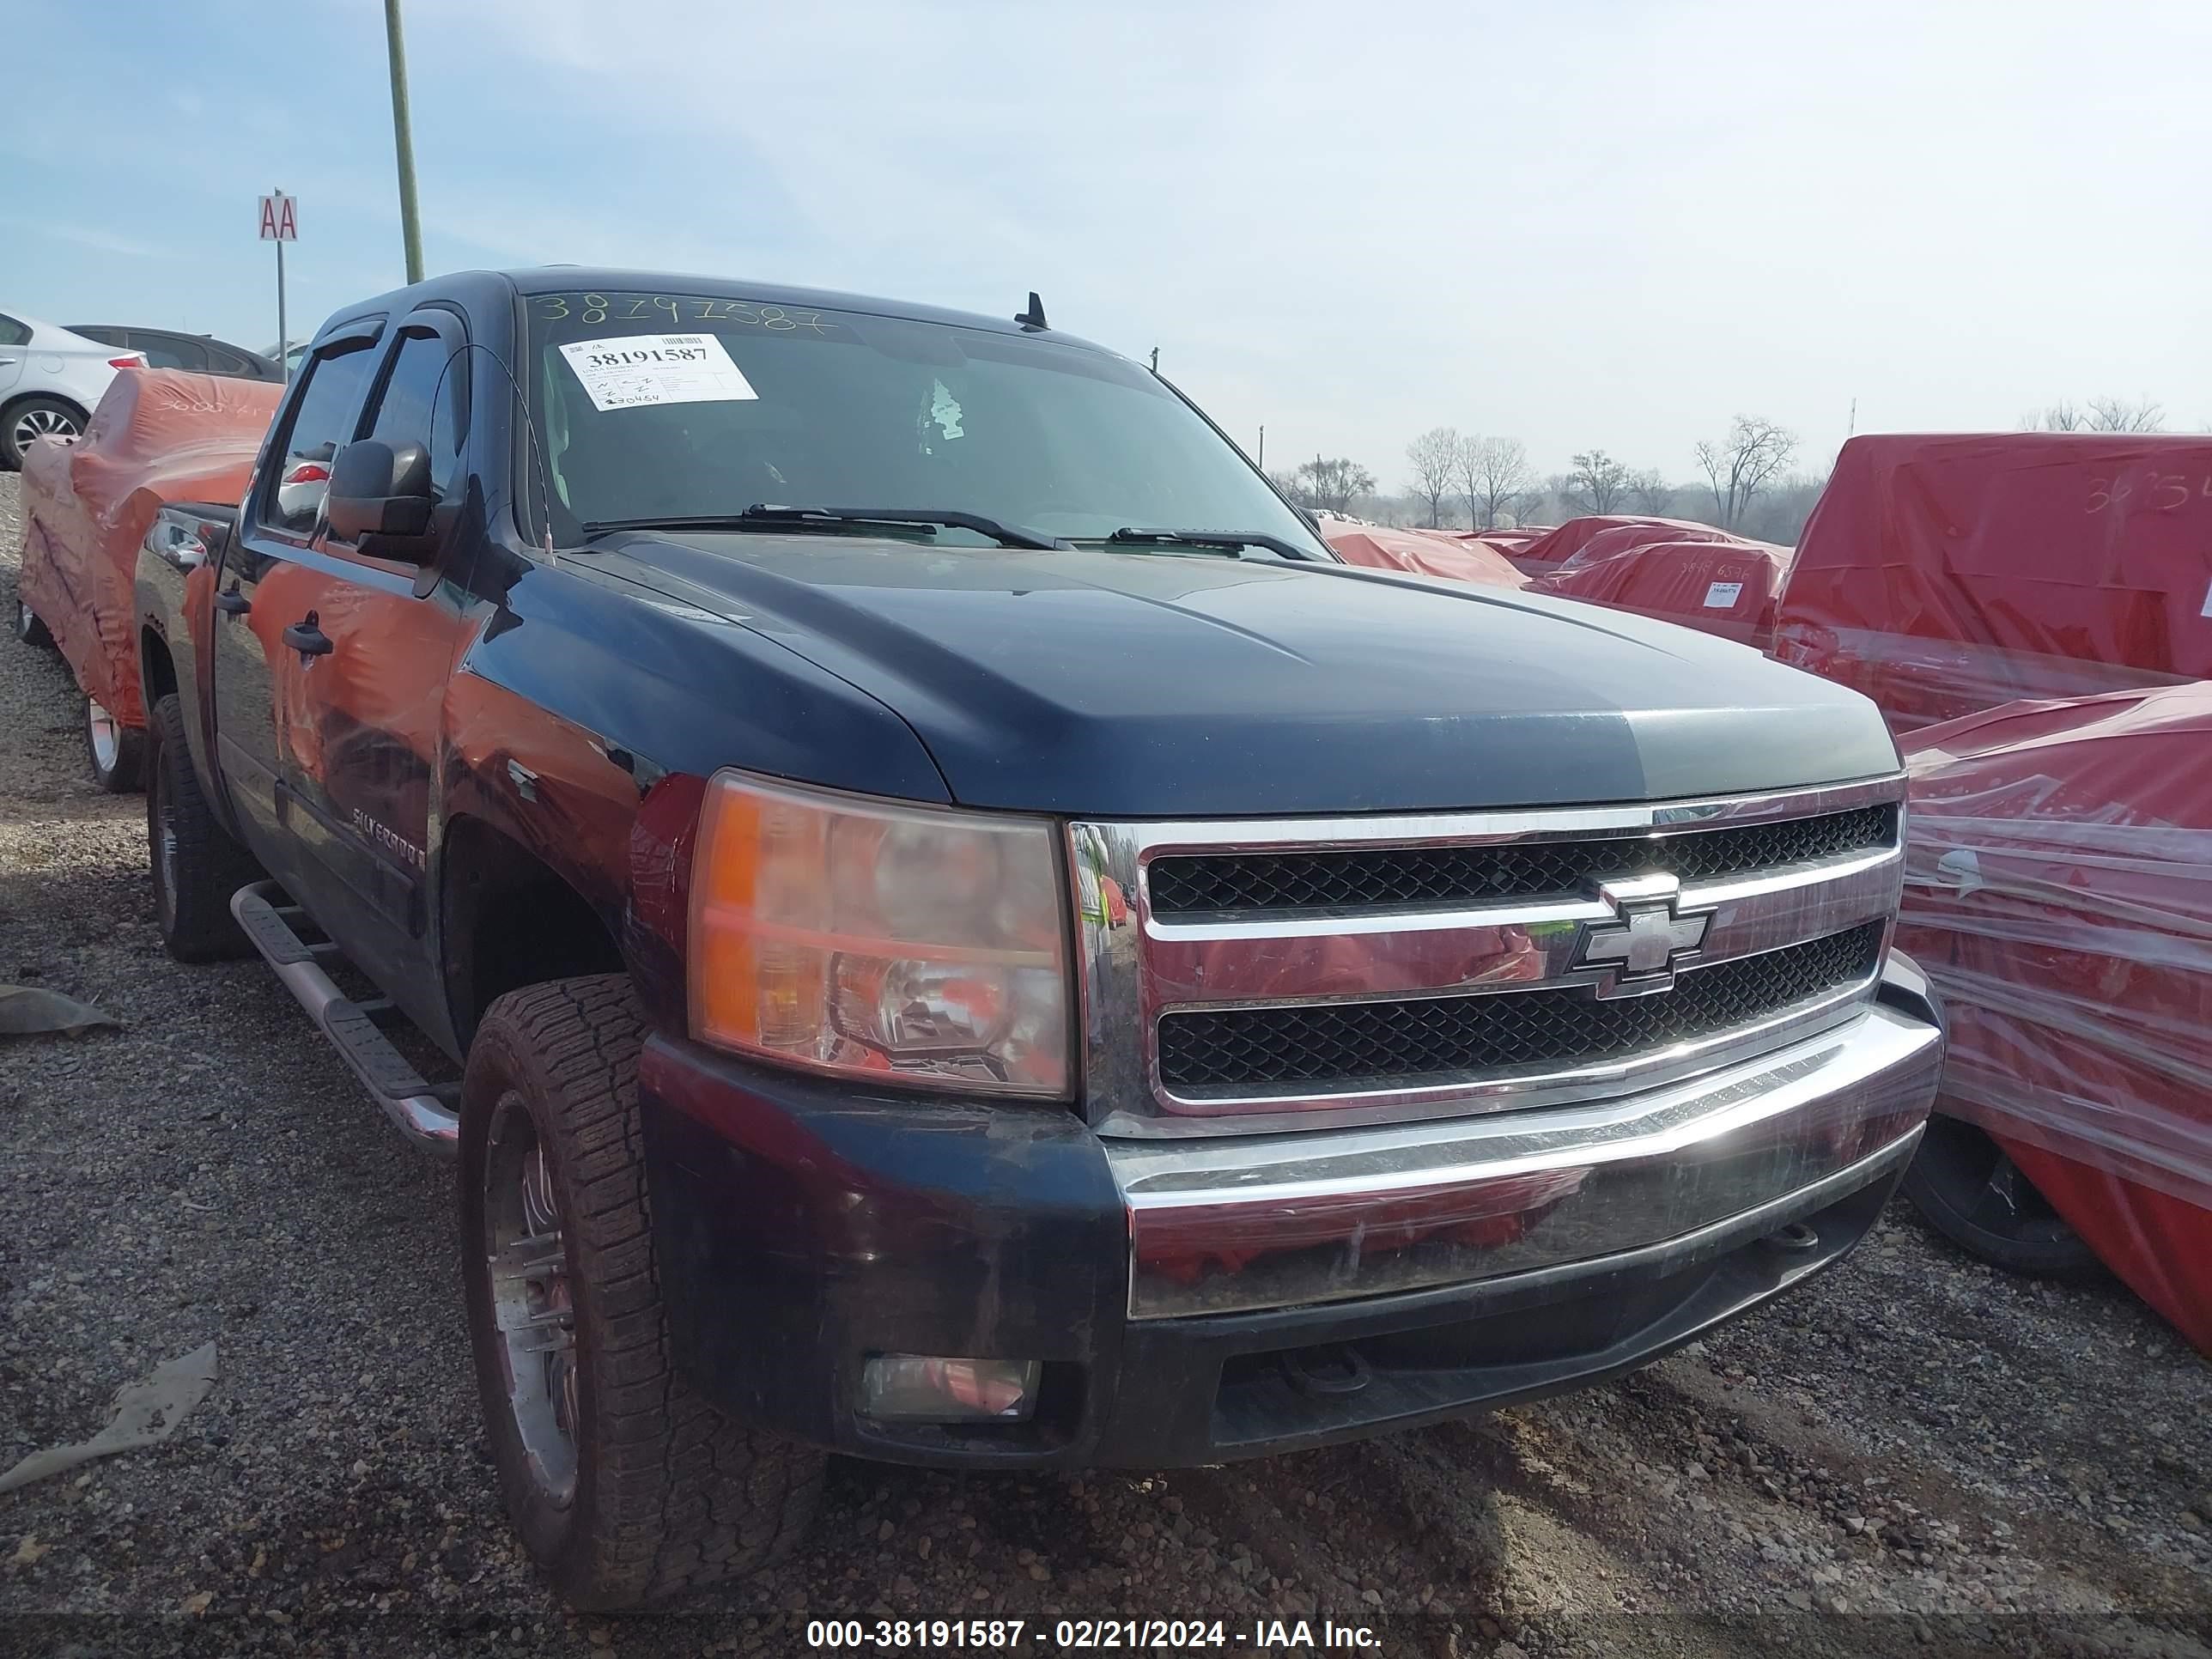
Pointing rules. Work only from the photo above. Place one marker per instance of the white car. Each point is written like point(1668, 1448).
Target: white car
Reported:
point(50, 380)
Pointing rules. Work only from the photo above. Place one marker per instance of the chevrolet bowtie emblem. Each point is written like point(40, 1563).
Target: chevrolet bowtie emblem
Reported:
point(1648, 942)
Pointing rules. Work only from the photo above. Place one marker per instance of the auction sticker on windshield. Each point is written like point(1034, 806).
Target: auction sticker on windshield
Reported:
point(633, 371)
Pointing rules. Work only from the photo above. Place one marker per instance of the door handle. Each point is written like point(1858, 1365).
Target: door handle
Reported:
point(305, 638)
point(232, 602)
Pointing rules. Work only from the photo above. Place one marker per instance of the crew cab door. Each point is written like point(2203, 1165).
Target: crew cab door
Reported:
point(266, 582)
point(371, 643)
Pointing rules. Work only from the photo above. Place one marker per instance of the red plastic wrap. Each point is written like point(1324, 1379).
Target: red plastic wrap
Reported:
point(159, 435)
point(1556, 547)
point(2059, 890)
point(1948, 574)
point(1625, 538)
point(1719, 586)
point(1419, 553)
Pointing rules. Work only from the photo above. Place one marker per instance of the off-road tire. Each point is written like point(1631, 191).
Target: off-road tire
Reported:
point(30, 628)
point(124, 775)
point(202, 866)
point(1944, 1183)
point(669, 1496)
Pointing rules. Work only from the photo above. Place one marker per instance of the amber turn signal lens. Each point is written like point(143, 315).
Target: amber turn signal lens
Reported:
point(880, 939)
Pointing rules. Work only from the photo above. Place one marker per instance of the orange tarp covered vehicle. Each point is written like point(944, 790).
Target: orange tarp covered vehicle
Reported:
point(159, 435)
point(1944, 575)
point(1419, 553)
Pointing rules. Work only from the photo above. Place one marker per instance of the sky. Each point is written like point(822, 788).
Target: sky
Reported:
point(1582, 223)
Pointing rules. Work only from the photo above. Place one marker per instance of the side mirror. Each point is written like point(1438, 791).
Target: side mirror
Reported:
point(378, 490)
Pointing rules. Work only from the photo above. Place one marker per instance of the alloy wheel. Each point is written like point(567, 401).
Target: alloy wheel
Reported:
point(107, 734)
point(35, 423)
point(531, 1296)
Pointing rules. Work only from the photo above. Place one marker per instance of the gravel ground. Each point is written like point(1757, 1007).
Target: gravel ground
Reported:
point(1913, 1454)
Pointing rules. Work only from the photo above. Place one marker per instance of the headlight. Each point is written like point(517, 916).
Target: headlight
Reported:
point(879, 939)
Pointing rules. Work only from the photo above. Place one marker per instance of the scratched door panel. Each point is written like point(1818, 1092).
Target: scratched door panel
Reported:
point(364, 720)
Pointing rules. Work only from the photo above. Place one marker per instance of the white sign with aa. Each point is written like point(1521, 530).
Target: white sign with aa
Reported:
point(279, 220)
point(634, 371)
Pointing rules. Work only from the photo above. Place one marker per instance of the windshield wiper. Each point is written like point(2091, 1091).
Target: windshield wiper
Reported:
point(766, 515)
point(1235, 540)
point(1005, 535)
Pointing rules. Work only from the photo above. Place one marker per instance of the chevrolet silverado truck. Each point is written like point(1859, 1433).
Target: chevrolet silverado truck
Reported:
point(941, 924)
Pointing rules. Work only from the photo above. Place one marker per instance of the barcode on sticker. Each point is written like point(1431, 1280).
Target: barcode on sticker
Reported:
point(682, 339)
point(1720, 595)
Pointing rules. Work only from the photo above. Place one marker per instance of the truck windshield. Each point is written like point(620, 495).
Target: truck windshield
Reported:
point(654, 406)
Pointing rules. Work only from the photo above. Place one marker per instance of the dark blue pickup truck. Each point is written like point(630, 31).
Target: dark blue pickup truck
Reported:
point(941, 924)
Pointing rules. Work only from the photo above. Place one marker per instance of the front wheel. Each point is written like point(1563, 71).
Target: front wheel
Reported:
point(1967, 1186)
point(626, 1486)
point(117, 751)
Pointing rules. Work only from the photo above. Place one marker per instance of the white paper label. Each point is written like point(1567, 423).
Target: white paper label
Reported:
point(2207, 611)
point(635, 370)
point(1720, 595)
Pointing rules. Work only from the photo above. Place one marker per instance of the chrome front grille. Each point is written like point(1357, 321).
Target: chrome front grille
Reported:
point(1390, 877)
point(1420, 1038)
point(1245, 976)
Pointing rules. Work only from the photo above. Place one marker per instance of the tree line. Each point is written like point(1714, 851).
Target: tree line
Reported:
point(1492, 480)
point(1469, 480)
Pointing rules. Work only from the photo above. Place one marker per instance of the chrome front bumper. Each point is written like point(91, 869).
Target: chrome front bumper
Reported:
point(1226, 1224)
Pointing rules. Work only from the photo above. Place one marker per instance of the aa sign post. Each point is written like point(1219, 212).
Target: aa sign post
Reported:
point(280, 223)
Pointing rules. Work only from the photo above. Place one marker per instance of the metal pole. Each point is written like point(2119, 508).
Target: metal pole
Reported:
point(1263, 449)
point(402, 141)
point(283, 336)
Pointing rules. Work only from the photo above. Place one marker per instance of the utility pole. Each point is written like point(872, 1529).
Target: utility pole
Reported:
point(1263, 447)
point(1156, 360)
point(1852, 429)
point(410, 226)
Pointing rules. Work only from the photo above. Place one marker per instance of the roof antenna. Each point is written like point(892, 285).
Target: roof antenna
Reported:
point(1033, 317)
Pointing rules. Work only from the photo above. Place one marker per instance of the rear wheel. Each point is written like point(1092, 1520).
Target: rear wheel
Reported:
point(196, 866)
point(626, 1485)
point(34, 418)
point(1967, 1187)
point(28, 628)
point(117, 751)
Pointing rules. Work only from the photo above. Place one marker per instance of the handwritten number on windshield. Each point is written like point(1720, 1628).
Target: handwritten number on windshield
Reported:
point(644, 307)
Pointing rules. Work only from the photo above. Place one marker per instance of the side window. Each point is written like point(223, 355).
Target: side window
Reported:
point(167, 351)
point(223, 360)
point(13, 332)
point(322, 420)
point(405, 413)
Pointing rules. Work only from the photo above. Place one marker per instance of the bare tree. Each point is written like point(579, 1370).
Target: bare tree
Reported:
point(2102, 415)
point(2065, 416)
point(1597, 482)
point(1650, 490)
point(1739, 465)
point(1330, 483)
point(2118, 415)
point(1494, 473)
point(1435, 457)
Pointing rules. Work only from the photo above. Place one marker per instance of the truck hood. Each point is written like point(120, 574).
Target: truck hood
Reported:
point(1172, 685)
